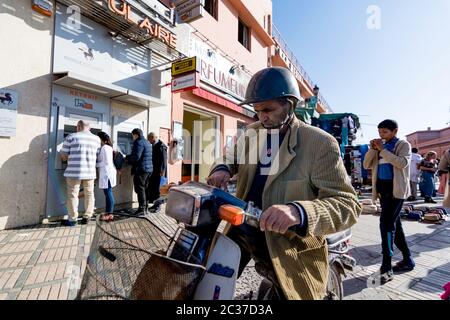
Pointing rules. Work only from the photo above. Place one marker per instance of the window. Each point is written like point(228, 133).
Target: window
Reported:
point(211, 8)
point(244, 35)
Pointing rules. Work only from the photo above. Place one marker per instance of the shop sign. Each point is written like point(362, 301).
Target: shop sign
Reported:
point(8, 112)
point(187, 82)
point(188, 5)
point(81, 99)
point(145, 23)
point(192, 14)
point(215, 70)
point(185, 66)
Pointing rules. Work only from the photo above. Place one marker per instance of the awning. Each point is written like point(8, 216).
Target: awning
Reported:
point(74, 80)
point(141, 99)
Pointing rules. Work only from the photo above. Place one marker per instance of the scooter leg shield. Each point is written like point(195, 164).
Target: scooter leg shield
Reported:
point(219, 281)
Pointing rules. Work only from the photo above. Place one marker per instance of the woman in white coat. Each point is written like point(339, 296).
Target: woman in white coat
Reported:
point(107, 173)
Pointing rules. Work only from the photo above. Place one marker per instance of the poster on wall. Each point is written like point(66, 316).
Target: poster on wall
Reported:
point(8, 112)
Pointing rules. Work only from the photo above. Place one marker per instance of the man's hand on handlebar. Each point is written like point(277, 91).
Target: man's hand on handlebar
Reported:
point(219, 179)
point(279, 218)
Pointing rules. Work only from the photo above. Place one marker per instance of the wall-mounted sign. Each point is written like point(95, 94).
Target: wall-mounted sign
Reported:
point(188, 5)
point(8, 112)
point(185, 66)
point(215, 70)
point(122, 8)
point(44, 7)
point(192, 14)
point(187, 82)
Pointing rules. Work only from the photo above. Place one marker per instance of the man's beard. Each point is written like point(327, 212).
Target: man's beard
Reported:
point(281, 125)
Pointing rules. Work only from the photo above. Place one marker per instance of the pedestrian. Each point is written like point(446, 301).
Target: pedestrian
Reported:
point(141, 161)
point(107, 173)
point(159, 160)
point(389, 159)
point(80, 150)
point(414, 173)
point(444, 167)
point(428, 170)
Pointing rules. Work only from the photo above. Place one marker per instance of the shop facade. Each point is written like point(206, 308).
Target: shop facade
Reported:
point(207, 117)
point(107, 62)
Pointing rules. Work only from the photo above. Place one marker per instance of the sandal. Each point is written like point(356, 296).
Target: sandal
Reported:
point(107, 217)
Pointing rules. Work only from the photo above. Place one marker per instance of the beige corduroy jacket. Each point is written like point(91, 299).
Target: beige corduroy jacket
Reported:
point(400, 160)
point(311, 173)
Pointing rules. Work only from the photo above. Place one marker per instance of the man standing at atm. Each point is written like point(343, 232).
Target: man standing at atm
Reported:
point(80, 150)
point(142, 168)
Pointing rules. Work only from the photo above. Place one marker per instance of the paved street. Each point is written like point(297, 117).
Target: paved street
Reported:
point(36, 263)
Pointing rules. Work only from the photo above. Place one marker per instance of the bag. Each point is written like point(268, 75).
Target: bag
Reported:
point(369, 209)
point(415, 215)
point(440, 212)
point(366, 202)
point(408, 207)
point(432, 217)
point(445, 210)
point(404, 214)
point(118, 159)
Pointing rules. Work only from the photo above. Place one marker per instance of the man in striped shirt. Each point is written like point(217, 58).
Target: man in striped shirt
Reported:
point(80, 150)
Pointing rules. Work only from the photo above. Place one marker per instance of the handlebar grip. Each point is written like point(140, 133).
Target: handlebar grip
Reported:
point(226, 198)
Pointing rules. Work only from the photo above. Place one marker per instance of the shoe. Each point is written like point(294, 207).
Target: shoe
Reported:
point(154, 209)
point(386, 277)
point(430, 200)
point(403, 266)
point(69, 223)
point(411, 198)
point(140, 212)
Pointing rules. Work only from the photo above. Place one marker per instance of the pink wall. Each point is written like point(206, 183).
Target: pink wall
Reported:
point(228, 121)
point(434, 140)
point(224, 33)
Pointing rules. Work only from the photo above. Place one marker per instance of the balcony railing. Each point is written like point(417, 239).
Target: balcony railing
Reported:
point(294, 64)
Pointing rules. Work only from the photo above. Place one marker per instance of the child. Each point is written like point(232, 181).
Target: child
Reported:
point(389, 159)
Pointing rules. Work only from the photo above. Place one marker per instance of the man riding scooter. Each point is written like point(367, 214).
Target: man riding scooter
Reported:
point(298, 180)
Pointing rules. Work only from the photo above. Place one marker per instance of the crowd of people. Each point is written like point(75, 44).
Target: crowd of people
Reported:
point(86, 153)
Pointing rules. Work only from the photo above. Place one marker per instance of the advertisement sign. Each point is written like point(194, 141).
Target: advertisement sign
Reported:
point(8, 112)
point(215, 70)
point(186, 82)
point(192, 14)
point(188, 5)
point(185, 66)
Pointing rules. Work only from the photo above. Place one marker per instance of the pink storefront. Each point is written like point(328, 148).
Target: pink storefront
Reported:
point(231, 42)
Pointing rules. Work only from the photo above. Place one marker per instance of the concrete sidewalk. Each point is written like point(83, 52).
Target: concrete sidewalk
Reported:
point(38, 262)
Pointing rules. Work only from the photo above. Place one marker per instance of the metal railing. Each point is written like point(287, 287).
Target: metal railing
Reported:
point(294, 64)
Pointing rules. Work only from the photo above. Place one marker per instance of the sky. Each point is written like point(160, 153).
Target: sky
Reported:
point(391, 61)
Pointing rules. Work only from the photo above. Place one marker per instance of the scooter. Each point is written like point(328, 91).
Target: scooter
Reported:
point(200, 263)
